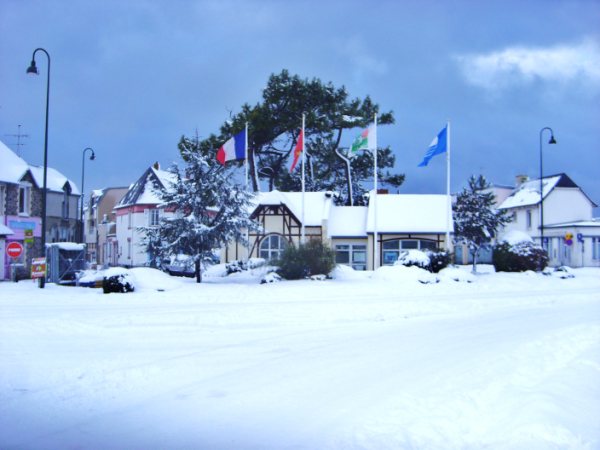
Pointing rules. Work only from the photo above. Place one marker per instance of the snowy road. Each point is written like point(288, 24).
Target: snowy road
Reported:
point(353, 364)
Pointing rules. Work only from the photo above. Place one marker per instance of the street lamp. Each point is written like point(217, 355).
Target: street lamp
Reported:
point(551, 141)
point(33, 69)
point(92, 157)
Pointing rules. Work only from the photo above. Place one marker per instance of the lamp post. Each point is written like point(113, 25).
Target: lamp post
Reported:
point(92, 157)
point(33, 69)
point(551, 141)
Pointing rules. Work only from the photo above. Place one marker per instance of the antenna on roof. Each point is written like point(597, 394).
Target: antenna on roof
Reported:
point(18, 136)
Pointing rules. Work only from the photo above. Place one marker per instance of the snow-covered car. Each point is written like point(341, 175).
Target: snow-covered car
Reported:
point(181, 266)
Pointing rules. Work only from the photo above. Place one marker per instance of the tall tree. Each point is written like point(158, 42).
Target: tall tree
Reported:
point(476, 218)
point(210, 210)
point(274, 125)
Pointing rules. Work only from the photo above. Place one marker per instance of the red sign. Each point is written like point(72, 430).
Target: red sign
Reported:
point(14, 250)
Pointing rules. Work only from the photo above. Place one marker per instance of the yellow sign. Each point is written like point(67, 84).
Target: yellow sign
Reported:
point(38, 267)
point(28, 236)
point(569, 238)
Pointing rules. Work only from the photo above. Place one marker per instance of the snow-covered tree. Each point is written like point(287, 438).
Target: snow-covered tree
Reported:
point(210, 210)
point(476, 218)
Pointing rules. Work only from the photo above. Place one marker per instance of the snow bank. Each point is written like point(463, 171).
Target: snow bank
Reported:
point(146, 278)
point(456, 274)
point(399, 273)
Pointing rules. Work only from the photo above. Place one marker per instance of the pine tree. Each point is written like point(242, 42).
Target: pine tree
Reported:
point(476, 219)
point(274, 124)
point(209, 209)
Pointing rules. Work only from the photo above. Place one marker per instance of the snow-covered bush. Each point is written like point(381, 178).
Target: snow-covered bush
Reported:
point(432, 261)
point(271, 277)
point(255, 263)
point(117, 279)
point(518, 253)
point(235, 267)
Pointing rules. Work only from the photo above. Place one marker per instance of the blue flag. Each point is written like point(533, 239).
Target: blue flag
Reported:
point(438, 145)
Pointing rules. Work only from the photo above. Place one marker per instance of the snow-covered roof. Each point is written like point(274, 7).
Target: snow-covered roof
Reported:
point(12, 167)
point(410, 213)
point(580, 223)
point(348, 221)
point(528, 193)
point(55, 181)
point(143, 191)
point(5, 231)
point(316, 204)
point(396, 213)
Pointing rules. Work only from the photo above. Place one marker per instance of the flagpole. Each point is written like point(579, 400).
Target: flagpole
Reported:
point(302, 239)
point(449, 199)
point(375, 237)
point(246, 163)
point(246, 153)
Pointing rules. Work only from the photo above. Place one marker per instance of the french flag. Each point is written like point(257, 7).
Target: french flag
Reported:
point(234, 148)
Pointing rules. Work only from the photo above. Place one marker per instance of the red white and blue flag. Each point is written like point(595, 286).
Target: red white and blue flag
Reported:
point(233, 149)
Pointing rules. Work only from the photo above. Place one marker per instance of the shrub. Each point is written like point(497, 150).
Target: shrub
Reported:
point(433, 261)
point(235, 267)
point(312, 258)
point(519, 257)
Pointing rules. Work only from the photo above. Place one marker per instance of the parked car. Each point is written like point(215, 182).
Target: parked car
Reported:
point(181, 266)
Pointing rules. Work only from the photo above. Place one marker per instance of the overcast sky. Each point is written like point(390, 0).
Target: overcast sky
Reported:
point(128, 78)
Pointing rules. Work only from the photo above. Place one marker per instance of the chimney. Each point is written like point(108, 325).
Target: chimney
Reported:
point(520, 179)
point(156, 165)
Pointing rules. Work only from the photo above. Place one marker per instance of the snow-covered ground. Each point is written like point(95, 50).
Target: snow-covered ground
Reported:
point(364, 361)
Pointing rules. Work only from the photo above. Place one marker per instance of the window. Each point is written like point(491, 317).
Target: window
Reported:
point(272, 246)
point(129, 219)
point(392, 249)
point(354, 255)
point(24, 199)
point(528, 218)
point(596, 248)
point(153, 217)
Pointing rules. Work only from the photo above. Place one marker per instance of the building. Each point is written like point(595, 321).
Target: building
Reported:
point(21, 208)
point(399, 221)
point(139, 207)
point(571, 235)
point(100, 226)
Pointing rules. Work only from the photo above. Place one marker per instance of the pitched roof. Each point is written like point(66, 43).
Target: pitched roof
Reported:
point(528, 193)
point(316, 204)
point(55, 181)
point(12, 167)
point(144, 190)
point(396, 213)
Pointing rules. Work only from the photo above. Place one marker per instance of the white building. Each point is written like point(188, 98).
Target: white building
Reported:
point(139, 207)
point(571, 235)
point(399, 221)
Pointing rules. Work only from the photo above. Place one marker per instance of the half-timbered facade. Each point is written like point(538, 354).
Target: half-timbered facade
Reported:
point(400, 222)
